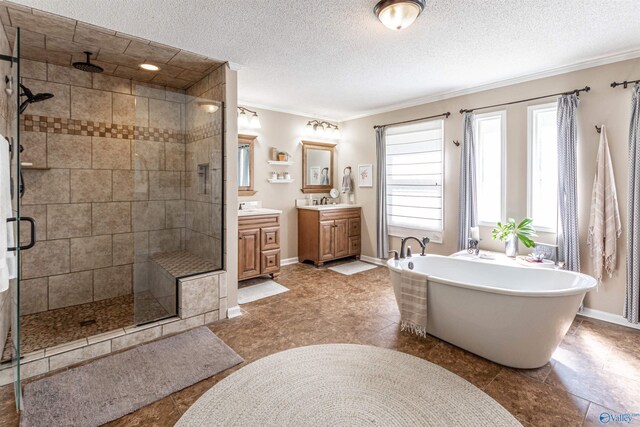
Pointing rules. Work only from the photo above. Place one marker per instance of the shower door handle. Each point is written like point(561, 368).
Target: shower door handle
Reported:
point(32, 225)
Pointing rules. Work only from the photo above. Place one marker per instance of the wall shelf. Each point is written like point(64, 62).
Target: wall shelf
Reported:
point(280, 163)
point(280, 181)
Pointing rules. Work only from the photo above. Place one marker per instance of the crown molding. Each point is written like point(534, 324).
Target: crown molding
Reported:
point(287, 111)
point(603, 60)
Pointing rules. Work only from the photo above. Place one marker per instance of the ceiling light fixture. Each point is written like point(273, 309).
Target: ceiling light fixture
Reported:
point(398, 14)
point(246, 121)
point(322, 129)
point(149, 67)
point(209, 107)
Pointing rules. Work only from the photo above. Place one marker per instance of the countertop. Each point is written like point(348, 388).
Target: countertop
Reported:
point(329, 207)
point(258, 211)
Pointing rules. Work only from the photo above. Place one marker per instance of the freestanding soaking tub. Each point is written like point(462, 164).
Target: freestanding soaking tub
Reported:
point(515, 316)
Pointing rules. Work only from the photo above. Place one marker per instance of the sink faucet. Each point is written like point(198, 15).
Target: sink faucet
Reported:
point(422, 243)
point(324, 200)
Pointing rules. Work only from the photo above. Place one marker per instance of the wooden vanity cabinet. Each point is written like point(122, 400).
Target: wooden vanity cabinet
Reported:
point(258, 246)
point(325, 235)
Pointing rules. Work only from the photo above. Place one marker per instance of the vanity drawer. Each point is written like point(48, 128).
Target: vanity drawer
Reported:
point(269, 238)
point(354, 245)
point(270, 261)
point(339, 214)
point(354, 227)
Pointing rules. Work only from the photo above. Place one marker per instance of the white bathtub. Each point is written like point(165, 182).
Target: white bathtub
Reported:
point(515, 316)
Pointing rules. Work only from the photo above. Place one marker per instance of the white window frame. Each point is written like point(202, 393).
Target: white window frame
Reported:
point(503, 161)
point(435, 236)
point(530, 111)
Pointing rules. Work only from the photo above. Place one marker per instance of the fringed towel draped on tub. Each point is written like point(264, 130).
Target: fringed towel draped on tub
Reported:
point(632, 295)
point(413, 302)
point(604, 223)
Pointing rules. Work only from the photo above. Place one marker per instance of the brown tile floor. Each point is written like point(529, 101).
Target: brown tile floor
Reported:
point(596, 368)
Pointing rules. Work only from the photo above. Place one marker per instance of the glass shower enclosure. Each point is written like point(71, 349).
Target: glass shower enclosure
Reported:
point(177, 214)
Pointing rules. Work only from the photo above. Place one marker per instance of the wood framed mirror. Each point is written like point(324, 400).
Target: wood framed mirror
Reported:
point(317, 167)
point(246, 165)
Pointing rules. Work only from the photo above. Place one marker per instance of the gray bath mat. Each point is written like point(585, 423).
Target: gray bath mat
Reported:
point(109, 388)
point(352, 268)
point(263, 289)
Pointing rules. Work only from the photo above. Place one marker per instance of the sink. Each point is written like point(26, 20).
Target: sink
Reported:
point(329, 207)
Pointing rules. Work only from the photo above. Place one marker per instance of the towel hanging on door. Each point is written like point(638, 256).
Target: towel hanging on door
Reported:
point(7, 258)
point(604, 224)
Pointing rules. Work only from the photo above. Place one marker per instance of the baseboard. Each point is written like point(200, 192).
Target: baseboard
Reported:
point(607, 317)
point(288, 261)
point(234, 312)
point(372, 260)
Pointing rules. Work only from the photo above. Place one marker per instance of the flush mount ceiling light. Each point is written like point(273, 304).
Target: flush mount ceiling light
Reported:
point(322, 129)
point(209, 107)
point(249, 120)
point(398, 14)
point(149, 67)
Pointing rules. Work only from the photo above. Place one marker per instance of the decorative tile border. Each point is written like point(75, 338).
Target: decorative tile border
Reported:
point(205, 131)
point(90, 128)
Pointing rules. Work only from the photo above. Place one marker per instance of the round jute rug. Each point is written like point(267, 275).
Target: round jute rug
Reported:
point(346, 385)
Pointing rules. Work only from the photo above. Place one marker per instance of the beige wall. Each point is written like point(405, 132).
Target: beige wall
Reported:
point(283, 131)
point(602, 105)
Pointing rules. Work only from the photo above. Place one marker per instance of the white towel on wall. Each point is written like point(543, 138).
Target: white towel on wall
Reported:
point(604, 223)
point(7, 258)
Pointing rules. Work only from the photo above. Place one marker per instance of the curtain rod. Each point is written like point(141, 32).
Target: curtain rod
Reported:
point(625, 83)
point(575, 91)
point(446, 115)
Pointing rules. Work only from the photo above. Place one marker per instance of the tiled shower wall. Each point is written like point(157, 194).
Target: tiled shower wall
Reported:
point(204, 147)
point(109, 162)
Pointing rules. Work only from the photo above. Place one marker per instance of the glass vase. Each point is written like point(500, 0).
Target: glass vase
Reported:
point(511, 246)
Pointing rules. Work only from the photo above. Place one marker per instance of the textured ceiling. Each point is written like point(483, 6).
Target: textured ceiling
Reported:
point(332, 58)
point(58, 40)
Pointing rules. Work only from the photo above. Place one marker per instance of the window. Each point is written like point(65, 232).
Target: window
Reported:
point(414, 179)
point(543, 167)
point(490, 133)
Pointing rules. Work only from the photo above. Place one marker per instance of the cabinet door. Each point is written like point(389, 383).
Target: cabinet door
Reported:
point(248, 253)
point(354, 245)
point(341, 237)
point(327, 240)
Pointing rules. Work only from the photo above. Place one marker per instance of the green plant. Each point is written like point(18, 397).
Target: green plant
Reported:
point(524, 231)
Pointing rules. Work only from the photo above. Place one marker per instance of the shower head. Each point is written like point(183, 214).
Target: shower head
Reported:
point(88, 66)
point(31, 98)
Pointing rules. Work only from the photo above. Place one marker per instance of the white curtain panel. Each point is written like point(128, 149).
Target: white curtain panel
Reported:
point(467, 216)
point(567, 182)
point(632, 296)
point(381, 195)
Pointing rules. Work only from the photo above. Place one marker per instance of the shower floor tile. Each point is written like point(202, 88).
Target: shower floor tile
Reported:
point(60, 326)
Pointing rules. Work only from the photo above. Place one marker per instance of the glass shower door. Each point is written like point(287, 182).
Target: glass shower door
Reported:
point(11, 66)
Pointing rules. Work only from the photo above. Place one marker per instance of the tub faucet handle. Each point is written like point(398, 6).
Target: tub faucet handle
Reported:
point(408, 251)
point(395, 255)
